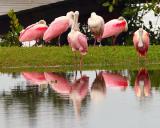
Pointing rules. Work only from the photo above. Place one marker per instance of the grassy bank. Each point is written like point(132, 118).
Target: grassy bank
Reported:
point(61, 58)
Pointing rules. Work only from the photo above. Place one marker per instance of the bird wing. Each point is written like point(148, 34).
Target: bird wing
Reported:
point(113, 28)
point(82, 39)
point(55, 29)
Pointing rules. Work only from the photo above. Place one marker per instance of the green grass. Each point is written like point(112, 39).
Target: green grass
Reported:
point(61, 58)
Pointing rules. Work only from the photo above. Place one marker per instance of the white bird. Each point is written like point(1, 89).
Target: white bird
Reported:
point(96, 26)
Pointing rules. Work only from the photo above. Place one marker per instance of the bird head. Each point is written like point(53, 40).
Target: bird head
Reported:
point(42, 22)
point(70, 15)
point(126, 26)
point(93, 14)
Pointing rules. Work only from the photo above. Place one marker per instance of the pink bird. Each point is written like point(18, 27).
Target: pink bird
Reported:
point(33, 32)
point(77, 40)
point(141, 41)
point(114, 27)
point(58, 26)
point(96, 26)
point(142, 86)
point(35, 77)
point(115, 80)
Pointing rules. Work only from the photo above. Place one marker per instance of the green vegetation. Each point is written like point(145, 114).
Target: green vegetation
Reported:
point(11, 38)
point(133, 11)
point(62, 58)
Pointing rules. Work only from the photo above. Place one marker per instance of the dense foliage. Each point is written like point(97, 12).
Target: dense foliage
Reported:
point(11, 38)
point(133, 11)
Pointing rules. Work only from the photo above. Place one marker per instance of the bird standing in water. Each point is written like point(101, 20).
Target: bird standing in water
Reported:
point(77, 40)
point(58, 26)
point(114, 27)
point(96, 26)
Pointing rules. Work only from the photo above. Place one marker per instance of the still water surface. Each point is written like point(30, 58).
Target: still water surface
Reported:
point(95, 99)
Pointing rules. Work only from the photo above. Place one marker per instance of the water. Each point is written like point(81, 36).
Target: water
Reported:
point(97, 99)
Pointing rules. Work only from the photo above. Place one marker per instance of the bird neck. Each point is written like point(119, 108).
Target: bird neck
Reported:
point(75, 25)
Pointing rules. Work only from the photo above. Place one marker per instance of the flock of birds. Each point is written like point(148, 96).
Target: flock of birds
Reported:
point(76, 39)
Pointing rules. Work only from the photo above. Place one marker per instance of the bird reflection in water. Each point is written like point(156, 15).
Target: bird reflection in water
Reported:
point(76, 90)
point(98, 89)
point(36, 78)
point(115, 80)
point(142, 86)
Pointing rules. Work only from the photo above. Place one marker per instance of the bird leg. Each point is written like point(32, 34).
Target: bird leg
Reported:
point(95, 41)
point(114, 40)
point(100, 44)
point(75, 64)
point(59, 39)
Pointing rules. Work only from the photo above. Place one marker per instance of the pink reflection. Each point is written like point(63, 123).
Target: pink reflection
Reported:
point(37, 78)
point(115, 80)
point(76, 90)
point(58, 83)
point(142, 85)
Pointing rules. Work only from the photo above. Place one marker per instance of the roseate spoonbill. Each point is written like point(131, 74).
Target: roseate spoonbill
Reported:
point(96, 26)
point(115, 80)
point(114, 27)
point(141, 41)
point(58, 26)
point(98, 89)
point(142, 86)
point(77, 40)
point(33, 32)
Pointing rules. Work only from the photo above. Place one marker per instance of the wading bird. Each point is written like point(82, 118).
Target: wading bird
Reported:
point(96, 26)
point(77, 40)
point(33, 32)
point(114, 27)
point(58, 26)
point(141, 41)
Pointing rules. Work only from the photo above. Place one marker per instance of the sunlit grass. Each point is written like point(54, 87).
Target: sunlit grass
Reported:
point(61, 58)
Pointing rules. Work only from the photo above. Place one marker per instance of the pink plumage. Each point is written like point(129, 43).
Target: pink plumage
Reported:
point(141, 41)
point(114, 27)
point(58, 83)
point(35, 77)
point(33, 32)
point(78, 42)
point(114, 80)
point(58, 26)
